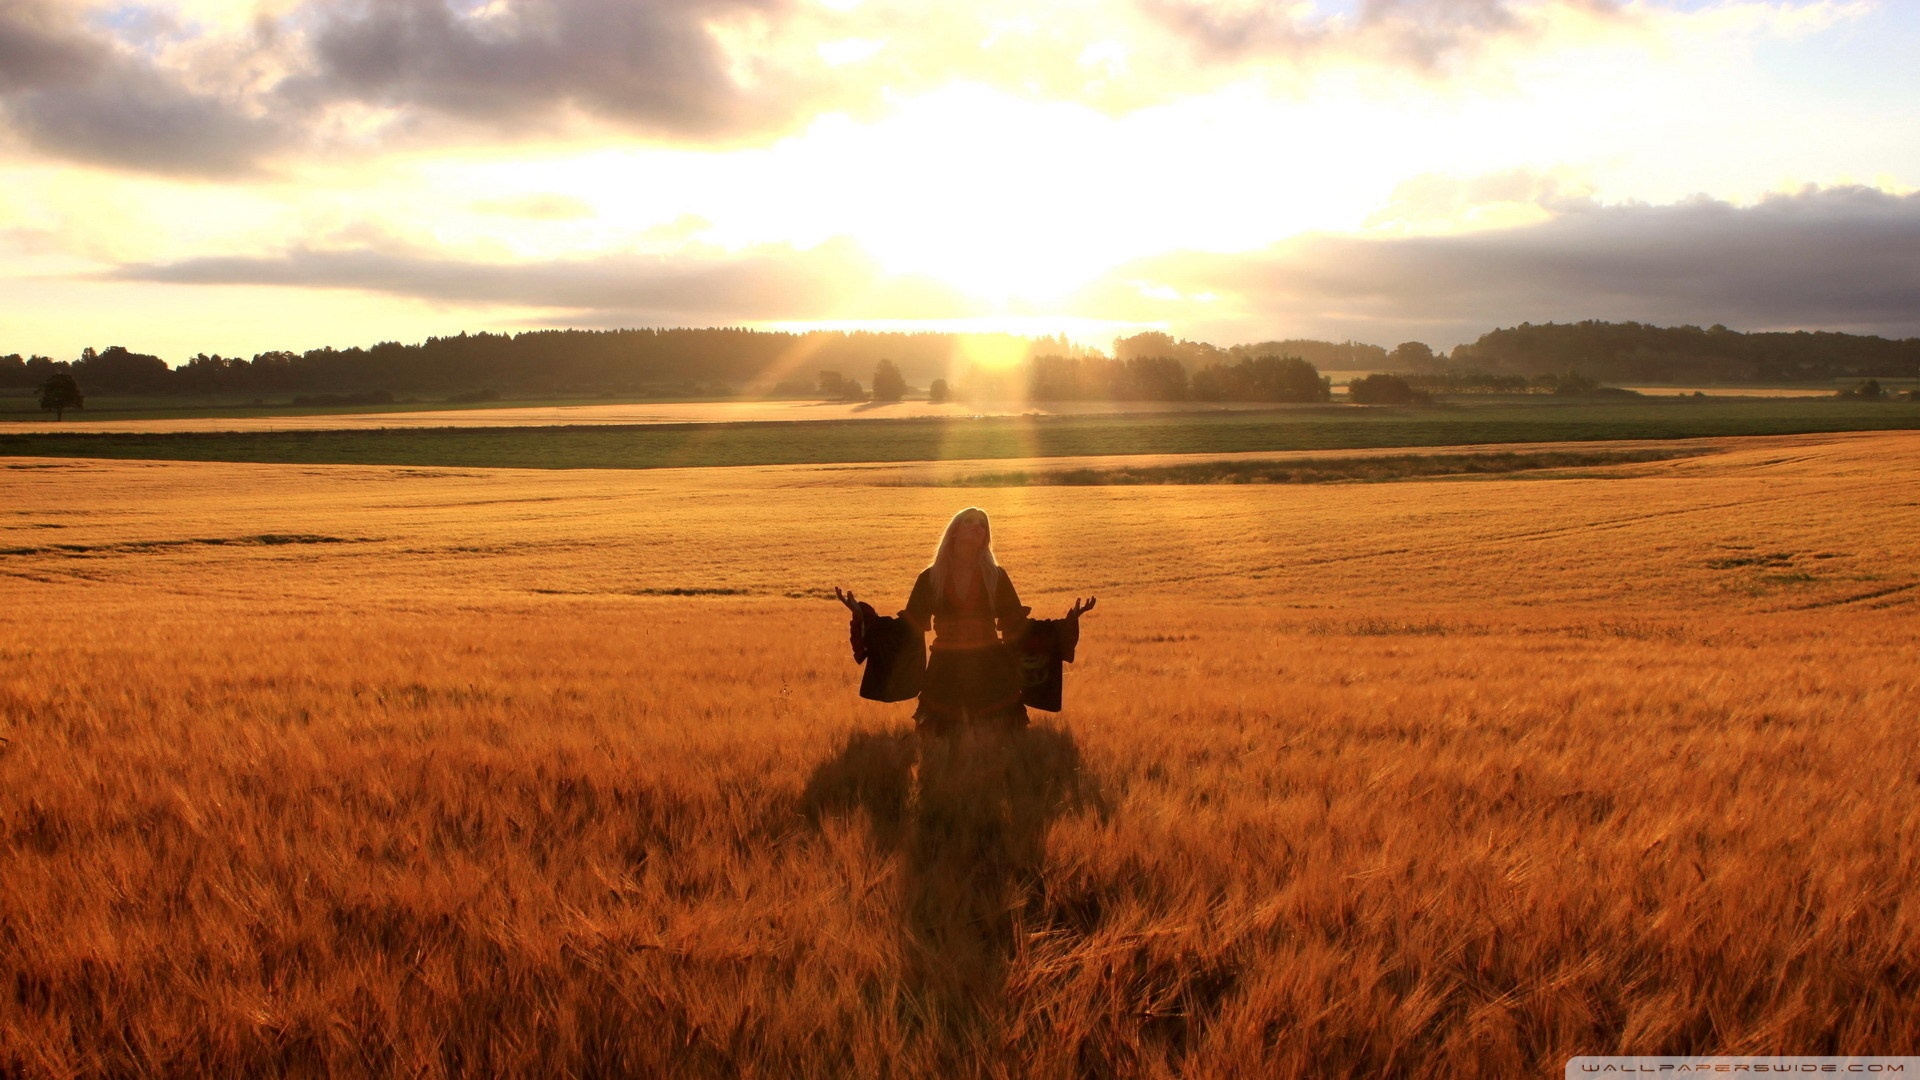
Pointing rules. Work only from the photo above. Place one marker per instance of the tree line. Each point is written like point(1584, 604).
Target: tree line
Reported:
point(1197, 355)
point(1147, 366)
point(1099, 378)
point(534, 363)
point(1164, 378)
point(1579, 358)
point(481, 367)
point(1634, 352)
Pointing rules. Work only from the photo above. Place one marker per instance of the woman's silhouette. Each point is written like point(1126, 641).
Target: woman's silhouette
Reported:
point(969, 602)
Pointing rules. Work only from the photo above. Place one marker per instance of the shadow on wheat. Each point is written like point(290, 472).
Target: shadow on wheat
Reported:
point(968, 817)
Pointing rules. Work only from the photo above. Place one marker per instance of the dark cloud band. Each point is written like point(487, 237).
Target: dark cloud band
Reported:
point(1840, 258)
point(1421, 34)
point(41, 46)
point(653, 64)
point(765, 284)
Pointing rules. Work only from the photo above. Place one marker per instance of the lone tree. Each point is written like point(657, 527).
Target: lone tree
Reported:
point(888, 383)
point(938, 392)
point(1414, 356)
point(1572, 384)
point(1382, 389)
point(60, 393)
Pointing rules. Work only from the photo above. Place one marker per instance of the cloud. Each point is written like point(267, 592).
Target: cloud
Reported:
point(40, 45)
point(653, 65)
point(773, 282)
point(1469, 39)
point(1844, 258)
point(1836, 258)
point(26, 241)
point(134, 117)
point(1424, 35)
point(172, 87)
point(1427, 33)
point(542, 207)
point(1436, 202)
point(73, 93)
point(720, 71)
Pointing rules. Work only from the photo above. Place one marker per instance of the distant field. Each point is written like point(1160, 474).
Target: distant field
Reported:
point(1324, 469)
point(377, 771)
point(20, 411)
point(153, 416)
point(19, 407)
point(1302, 428)
point(24, 408)
point(1821, 391)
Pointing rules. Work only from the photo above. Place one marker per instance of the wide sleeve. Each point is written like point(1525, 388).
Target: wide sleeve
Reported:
point(919, 609)
point(1007, 609)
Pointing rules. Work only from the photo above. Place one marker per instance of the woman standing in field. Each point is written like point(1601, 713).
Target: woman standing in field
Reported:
point(968, 601)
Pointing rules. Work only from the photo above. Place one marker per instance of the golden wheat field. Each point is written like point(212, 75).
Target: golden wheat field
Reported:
point(355, 771)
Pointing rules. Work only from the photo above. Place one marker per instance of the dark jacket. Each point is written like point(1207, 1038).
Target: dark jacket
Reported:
point(894, 651)
point(1046, 645)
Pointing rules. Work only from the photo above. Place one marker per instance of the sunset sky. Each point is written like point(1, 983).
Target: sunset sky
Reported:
point(233, 176)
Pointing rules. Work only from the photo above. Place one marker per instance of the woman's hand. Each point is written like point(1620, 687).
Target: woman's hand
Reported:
point(847, 599)
point(1081, 607)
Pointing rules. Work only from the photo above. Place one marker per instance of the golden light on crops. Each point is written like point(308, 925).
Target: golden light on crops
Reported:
point(311, 766)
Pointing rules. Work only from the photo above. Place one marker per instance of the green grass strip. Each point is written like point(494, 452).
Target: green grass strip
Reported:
point(820, 442)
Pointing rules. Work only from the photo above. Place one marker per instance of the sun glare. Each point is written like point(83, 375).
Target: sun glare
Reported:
point(1018, 204)
point(989, 352)
point(1094, 333)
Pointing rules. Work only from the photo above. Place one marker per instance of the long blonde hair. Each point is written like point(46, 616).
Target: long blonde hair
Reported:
point(943, 567)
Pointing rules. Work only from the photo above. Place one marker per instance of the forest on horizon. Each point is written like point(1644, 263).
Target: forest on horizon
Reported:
point(1149, 365)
